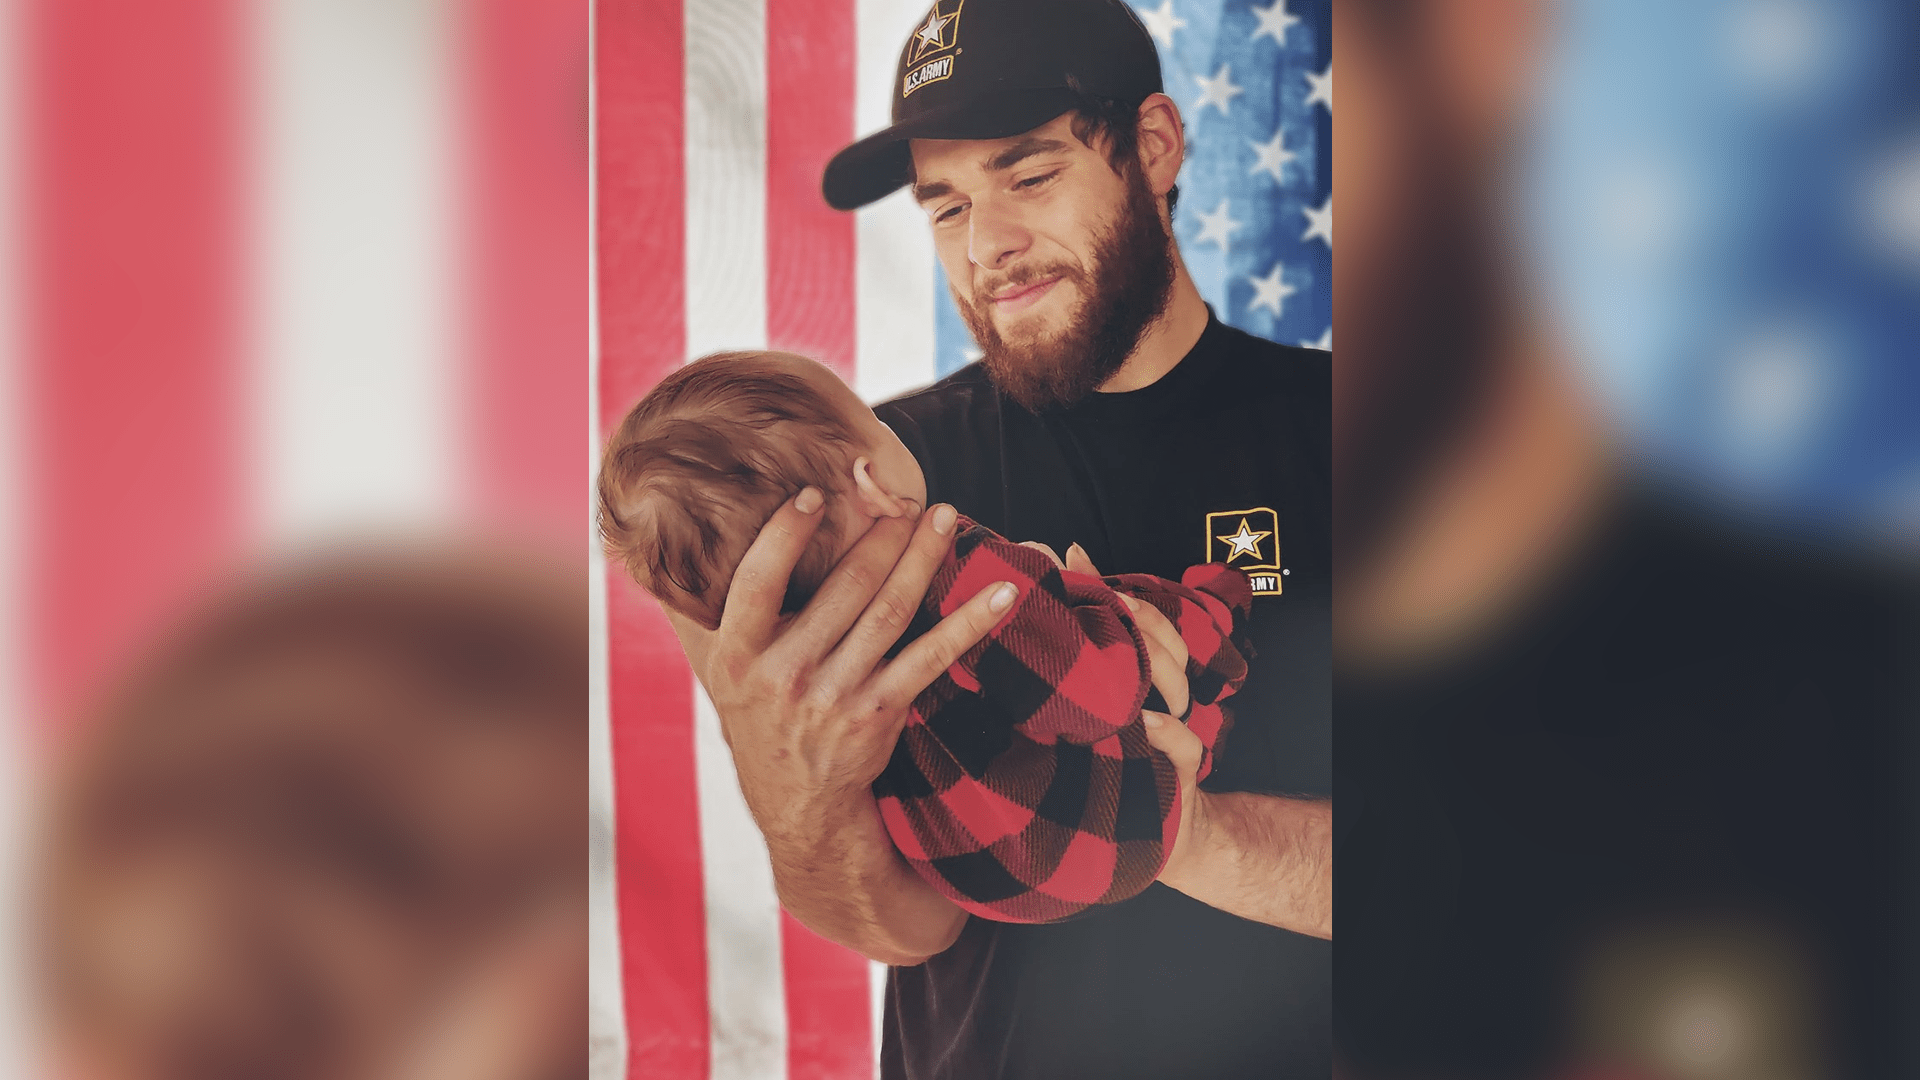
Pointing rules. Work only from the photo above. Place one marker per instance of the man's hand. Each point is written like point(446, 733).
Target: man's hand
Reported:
point(1044, 550)
point(807, 702)
point(1261, 857)
point(1182, 747)
point(1166, 650)
point(811, 710)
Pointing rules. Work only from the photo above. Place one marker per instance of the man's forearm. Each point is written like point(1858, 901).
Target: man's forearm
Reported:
point(1262, 857)
point(837, 872)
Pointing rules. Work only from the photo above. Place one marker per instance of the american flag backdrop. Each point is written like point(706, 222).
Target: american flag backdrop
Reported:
point(713, 120)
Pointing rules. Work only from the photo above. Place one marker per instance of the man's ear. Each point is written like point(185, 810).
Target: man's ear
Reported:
point(868, 495)
point(1163, 143)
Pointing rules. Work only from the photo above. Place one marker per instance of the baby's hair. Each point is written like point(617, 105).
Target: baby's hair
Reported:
point(703, 461)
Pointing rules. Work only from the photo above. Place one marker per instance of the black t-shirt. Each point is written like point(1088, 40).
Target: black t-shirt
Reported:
point(1226, 458)
point(1692, 754)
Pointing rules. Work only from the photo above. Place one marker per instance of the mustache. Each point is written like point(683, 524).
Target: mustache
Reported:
point(1024, 274)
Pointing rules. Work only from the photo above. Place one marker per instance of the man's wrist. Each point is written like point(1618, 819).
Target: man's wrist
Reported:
point(1261, 857)
point(1194, 848)
point(806, 823)
point(838, 872)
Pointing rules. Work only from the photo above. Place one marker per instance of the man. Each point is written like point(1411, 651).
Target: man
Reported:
point(1112, 412)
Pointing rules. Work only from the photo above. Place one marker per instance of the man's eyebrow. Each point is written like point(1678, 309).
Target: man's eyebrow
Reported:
point(1005, 159)
point(1021, 151)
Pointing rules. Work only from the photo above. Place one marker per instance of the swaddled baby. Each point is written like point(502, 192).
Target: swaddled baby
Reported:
point(1022, 786)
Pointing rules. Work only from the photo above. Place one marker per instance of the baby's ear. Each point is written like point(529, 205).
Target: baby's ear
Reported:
point(868, 495)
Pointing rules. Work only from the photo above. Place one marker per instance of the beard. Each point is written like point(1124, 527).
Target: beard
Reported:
point(1124, 290)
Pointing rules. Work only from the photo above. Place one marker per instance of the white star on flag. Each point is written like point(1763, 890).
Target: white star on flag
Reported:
point(1244, 542)
point(1162, 22)
point(1319, 222)
point(929, 34)
point(1325, 344)
point(1218, 90)
point(1217, 226)
point(1270, 292)
point(1274, 20)
point(1273, 156)
point(1321, 88)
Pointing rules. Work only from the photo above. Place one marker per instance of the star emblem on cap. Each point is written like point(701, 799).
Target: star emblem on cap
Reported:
point(1244, 542)
point(931, 36)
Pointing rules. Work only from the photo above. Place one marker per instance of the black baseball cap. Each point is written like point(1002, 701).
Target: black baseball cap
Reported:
point(990, 69)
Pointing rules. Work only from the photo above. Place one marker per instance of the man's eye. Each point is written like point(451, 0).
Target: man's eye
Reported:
point(949, 213)
point(1035, 181)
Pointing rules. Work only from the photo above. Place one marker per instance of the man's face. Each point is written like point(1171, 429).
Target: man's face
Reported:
point(1057, 261)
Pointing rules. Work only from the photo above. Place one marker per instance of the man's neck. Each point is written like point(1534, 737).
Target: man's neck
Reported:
point(1167, 339)
point(1497, 521)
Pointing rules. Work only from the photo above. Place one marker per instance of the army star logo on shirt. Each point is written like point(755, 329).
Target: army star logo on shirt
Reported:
point(1248, 540)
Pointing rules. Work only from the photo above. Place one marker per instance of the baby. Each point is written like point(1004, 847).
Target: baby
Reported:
point(1022, 786)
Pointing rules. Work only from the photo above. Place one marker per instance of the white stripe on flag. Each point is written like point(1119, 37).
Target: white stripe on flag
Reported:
point(726, 118)
point(353, 399)
point(606, 997)
point(893, 304)
point(744, 982)
point(726, 268)
point(877, 987)
point(606, 1003)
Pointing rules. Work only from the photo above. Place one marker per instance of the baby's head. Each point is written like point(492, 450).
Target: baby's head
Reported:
point(705, 459)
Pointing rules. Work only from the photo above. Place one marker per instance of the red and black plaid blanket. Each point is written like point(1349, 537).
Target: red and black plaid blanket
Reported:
point(1023, 786)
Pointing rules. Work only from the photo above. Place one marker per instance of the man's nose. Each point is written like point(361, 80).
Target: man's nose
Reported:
point(995, 238)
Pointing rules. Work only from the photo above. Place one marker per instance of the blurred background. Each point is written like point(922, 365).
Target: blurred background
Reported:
point(293, 312)
point(1722, 203)
point(1625, 446)
point(283, 275)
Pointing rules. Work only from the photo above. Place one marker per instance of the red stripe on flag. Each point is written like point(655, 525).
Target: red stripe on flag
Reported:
point(661, 908)
point(810, 310)
point(525, 145)
point(132, 231)
point(829, 1022)
point(641, 242)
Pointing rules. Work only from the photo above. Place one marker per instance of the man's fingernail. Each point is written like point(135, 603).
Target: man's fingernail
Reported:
point(1152, 720)
point(943, 519)
point(808, 500)
point(1071, 548)
point(1002, 596)
point(1132, 604)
